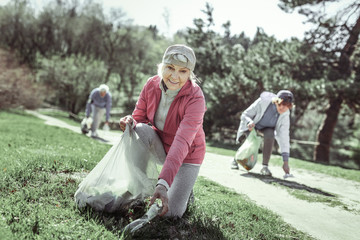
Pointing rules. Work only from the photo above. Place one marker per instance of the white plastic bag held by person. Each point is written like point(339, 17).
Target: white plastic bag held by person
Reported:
point(247, 153)
point(106, 127)
point(128, 171)
point(86, 125)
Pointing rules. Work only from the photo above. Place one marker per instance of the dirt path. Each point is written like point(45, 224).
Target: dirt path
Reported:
point(111, 137)
point(318, 219)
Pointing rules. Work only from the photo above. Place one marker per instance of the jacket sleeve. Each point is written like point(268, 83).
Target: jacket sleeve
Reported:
point(283, 134)
point(247, 117)
point(188, 128)
point(140, 114)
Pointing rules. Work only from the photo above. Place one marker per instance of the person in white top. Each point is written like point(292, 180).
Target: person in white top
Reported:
point(270, 116)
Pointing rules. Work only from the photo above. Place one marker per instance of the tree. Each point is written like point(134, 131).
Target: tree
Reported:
point(71, 79)
point(17, 84)
point(336, 35)
point(18, 29)
point(69, 32)
point(219, 66)
point(235, 70)
point(132, 54)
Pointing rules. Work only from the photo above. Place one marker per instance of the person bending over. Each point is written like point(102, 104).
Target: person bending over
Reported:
point(270, 116)
point(98, 103)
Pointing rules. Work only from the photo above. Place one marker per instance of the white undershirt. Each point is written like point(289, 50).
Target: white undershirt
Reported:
point(167, 97)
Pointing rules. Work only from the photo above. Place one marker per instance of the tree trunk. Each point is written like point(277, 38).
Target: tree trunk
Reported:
point(326, 130)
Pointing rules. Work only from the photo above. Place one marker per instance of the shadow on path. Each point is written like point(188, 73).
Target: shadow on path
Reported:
point(100, 139)
point(289, 184)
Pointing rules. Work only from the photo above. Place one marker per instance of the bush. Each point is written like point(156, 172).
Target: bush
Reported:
point(17, 84)
point(71, 79)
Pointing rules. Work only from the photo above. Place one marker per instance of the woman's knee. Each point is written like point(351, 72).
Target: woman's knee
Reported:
point(142, 127)
point(145, 132)
point(152, 141)
point(181, 189)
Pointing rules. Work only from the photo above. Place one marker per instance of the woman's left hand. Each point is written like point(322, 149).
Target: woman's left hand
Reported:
point(161, 193)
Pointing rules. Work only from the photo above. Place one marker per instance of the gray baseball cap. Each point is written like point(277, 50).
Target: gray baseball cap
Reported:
point(286, 95)
point(180, 55)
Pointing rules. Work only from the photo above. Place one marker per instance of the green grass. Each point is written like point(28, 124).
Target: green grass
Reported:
point(294, 163)
point(36, 194)
point(328, 200)
point(332, 200)
point(219, 213)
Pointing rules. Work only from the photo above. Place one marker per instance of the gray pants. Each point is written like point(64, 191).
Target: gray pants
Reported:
point(269, 137)
point(184, 180)
point(97, 115)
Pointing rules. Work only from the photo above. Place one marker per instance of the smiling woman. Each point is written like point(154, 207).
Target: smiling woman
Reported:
point(177, 68)
point(168, 124)
point(174, 76)
point(174, 105)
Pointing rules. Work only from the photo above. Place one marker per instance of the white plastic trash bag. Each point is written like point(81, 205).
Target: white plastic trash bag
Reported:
point(106, 127)
point(247, 153)
point(127, 172)
point(86, 125)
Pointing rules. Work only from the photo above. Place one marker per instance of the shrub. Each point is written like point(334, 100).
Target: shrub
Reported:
point(71, 79)
point(17, 84)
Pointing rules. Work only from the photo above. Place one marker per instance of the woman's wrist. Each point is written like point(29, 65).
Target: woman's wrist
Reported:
point(161, 186)
point(164, 183)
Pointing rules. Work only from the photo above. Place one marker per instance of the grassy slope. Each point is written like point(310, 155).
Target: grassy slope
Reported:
point(36, 195)
point(33, 200)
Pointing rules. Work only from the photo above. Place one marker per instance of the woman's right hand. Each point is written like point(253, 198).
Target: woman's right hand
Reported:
point(125, 120)
point(161, 193)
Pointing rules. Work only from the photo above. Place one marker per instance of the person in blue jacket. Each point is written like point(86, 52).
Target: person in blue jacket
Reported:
point(270, 116)
point(99, 102)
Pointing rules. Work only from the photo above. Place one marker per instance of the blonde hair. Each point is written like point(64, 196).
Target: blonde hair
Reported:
point(161, 67)
point(280, 101)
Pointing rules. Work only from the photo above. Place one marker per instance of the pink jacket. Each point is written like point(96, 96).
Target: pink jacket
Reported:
point(183, 136)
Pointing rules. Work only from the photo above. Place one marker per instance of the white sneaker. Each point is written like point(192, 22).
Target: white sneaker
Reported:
point(288, 175)
point(234, 165)
point(94, 135)
point(265, 171)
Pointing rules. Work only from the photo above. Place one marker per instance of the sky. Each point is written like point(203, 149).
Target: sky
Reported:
point(244, 15)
